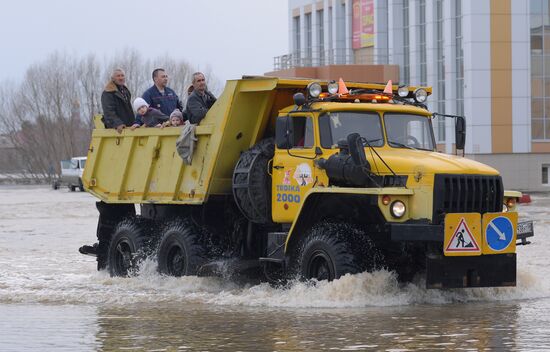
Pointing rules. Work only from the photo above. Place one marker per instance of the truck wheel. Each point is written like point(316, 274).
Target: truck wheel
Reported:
point(330, 251)
point(180, 251)
point(80, 185)
point(55, 185)
point(130, 244)
point(72, 188)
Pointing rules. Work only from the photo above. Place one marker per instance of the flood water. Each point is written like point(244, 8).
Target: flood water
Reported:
point(53, 299)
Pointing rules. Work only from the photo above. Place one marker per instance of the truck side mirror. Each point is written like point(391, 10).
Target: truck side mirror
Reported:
point(284, 132)
point(460, 132)
point(356, 149)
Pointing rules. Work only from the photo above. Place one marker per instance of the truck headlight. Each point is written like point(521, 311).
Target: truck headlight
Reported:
point(403, 91)
point(314, 89)
point(420, 95)
point(333, 87)
point(397, 209)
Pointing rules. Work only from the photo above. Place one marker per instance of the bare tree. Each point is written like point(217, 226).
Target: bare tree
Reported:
point(89, 73)
point(131, 61)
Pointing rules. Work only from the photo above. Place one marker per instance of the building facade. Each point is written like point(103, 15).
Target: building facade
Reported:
point(485, 59)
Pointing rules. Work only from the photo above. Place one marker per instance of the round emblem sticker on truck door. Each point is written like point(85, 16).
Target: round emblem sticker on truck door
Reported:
point(499, 233)
point(302, 175)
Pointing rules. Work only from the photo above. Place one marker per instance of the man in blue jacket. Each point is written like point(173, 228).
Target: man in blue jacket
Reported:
point(161, 97)
point(200, 100)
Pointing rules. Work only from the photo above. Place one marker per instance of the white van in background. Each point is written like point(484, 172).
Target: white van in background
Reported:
point(71, 173)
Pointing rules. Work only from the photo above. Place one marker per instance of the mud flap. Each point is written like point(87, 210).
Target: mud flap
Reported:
point(476, 271)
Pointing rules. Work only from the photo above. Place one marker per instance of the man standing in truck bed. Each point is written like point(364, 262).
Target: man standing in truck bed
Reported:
point(160, 96)
point(116, 102)
point(200, 100)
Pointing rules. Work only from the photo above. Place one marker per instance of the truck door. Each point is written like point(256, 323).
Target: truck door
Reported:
point(293, 168)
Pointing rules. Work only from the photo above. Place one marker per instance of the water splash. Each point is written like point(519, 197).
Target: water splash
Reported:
point(39, 264)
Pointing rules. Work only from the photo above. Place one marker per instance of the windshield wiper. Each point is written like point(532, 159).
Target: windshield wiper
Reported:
point(397, 144)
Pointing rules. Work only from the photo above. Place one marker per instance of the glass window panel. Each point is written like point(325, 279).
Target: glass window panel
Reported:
point(537, 129)
point(547, 65)
point(303, 132)
point(536, 87)
point(309, 135)
point(536, 65)
point(536, 6)
point(537, 107)
point(405, 130)
point(546, 88)
point(536, 43)
point(544, 175)
point(546, 45)
point(547, 109)
point(536, 24)
point(547, 128)
point(341, 124)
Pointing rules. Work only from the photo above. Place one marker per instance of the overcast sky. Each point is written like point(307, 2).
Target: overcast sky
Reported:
point(233, 37)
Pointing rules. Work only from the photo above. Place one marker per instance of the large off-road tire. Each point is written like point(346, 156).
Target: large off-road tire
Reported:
point(181, 251)
point(131, 243)
point(331, 250)
point(252, 182)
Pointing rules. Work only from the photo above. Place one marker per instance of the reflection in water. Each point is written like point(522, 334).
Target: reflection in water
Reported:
point(198, 327)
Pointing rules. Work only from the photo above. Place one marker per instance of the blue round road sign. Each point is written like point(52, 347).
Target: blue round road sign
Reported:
point(499, 233)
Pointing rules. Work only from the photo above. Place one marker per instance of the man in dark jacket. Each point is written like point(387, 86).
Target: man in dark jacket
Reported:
point(116, 102)
point(160, 96)
point(200, 100)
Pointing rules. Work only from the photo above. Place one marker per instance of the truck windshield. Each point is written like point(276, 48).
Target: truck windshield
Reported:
point(408, 131)
point(335, 126)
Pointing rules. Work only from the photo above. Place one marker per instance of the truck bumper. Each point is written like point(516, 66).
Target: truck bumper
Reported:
point(489, 270)
point(435, 233)
point(479, 271)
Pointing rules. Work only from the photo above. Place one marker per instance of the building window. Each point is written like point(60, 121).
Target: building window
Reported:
point(540, 70)
point(297, 44)
point(330, 37)
point(321, 37)
point(459, 59)
point(309, 39)
point(422, 42)
point(341, 43)
point(406, 50)
point(440, 58)
point(545, 174)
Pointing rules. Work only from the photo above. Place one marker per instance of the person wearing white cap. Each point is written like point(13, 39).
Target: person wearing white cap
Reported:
point(146, 115)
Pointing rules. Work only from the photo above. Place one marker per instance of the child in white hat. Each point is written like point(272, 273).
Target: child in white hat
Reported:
point(147, 116)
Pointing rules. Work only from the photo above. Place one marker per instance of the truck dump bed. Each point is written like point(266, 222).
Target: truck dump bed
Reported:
point(143, 166)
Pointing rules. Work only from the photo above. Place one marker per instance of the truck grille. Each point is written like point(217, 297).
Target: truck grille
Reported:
point(466, 194)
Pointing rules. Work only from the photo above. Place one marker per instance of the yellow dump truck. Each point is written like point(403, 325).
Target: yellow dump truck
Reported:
point(309, 179)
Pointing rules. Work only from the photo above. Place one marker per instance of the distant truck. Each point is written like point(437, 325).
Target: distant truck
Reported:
point(71, 174)
point(303, 178)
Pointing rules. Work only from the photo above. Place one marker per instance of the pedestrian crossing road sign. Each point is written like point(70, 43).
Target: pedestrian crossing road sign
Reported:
point(462, 234)
point(499, 233)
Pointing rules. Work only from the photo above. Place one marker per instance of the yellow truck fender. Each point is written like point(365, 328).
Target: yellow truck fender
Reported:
point(322, 201)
